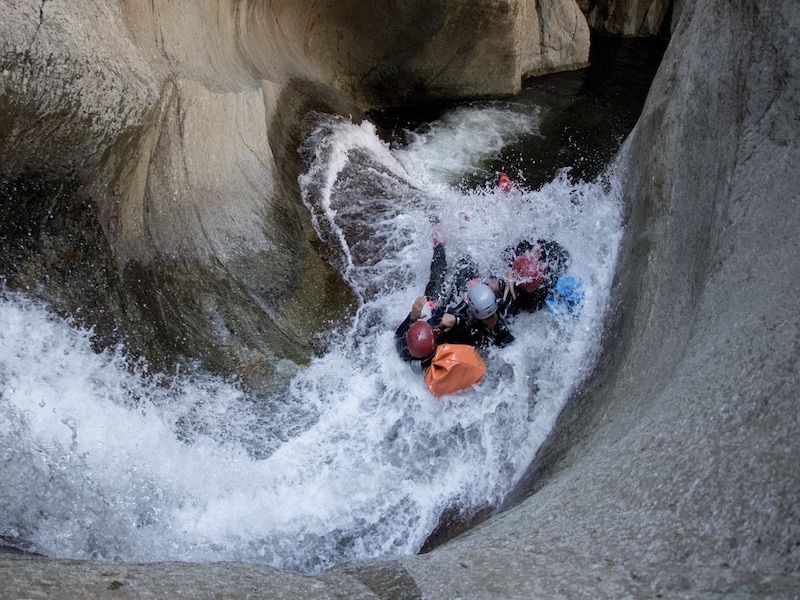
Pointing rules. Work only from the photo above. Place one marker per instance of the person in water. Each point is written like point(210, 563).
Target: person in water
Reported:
point(464, 310)
point(484, 323)
point(416, 339)
point(533, 272)
point(444, 355)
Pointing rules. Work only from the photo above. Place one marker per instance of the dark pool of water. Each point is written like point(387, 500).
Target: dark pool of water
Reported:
point(585, 115)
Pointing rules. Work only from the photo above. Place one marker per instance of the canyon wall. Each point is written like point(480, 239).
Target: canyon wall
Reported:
point(632, 18)
point(672, 472)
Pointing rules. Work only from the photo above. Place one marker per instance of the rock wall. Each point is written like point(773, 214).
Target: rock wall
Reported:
point(419, 51)
point(149, 161)
point(632, 18)
point(672, 473)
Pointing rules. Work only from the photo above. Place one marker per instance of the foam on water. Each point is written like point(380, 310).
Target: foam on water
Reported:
point(463, 139)
point(356, 459)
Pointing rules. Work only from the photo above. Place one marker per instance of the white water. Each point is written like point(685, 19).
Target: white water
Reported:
point(357, 459)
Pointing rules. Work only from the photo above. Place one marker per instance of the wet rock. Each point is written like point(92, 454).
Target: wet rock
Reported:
point(632, 18)
point(673, 472)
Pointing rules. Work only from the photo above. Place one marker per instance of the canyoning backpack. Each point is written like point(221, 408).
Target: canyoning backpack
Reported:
point(455, 367)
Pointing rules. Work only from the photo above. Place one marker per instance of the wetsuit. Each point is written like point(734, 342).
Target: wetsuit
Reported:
point(449, 297)
point(442, 291)
point(477, 333)
point(459, 334)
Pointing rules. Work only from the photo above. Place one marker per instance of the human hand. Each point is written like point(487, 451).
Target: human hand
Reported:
point(447, 322)
point(509, 285)
point(416, 308)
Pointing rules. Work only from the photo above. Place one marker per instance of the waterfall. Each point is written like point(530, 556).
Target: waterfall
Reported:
point(355, 459)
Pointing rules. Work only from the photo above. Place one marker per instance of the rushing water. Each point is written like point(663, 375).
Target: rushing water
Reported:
point(356, 459)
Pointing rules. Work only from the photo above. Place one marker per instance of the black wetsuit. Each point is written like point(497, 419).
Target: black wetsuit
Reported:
point(448, 296)
point(440, 291)
point(443, 290)
point(477, 333)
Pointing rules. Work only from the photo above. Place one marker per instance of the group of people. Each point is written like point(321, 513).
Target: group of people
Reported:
point(469, 312)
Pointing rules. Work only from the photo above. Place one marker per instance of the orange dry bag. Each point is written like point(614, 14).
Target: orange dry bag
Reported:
point(455, 367)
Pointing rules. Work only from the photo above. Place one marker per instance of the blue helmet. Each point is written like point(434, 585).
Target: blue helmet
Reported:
point(565, 298)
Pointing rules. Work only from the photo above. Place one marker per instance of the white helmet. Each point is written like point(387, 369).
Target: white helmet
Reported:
point(481, 301)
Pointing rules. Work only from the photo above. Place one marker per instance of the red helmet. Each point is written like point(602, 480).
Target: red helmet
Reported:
point(529, 273)
point(421, 339)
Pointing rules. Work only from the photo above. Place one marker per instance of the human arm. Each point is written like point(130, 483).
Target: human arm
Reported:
point(502, 336)
point(449, 321)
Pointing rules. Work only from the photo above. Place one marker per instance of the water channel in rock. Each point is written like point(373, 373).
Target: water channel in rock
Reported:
point(355, 459)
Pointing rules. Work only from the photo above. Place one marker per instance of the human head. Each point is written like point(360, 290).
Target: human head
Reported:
point(482, 301)
point(421, 339)
point(528, 272)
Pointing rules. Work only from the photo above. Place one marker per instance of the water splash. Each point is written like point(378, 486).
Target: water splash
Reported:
point(103, 460)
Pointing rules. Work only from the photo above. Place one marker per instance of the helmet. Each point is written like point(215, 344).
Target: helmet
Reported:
point(481, 300)
point(421, 339)
point(529, 273)
point(568, 286)
point(566, 298)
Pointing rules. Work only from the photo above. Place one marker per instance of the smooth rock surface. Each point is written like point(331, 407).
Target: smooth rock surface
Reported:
point(673, 473)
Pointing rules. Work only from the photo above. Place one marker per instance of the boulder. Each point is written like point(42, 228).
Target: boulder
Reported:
point(419, 51)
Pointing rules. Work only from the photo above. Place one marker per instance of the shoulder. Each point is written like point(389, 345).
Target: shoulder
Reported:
point(503, 337)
